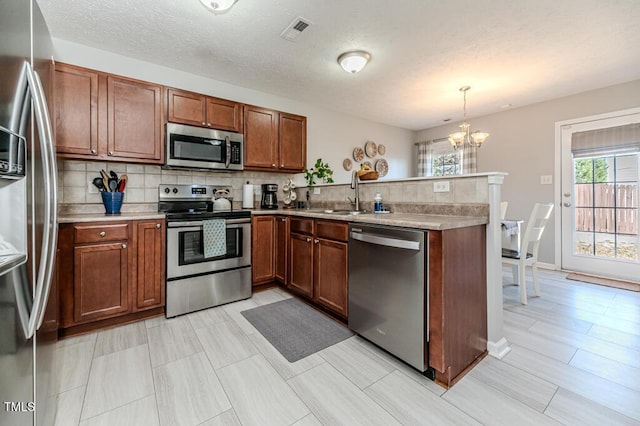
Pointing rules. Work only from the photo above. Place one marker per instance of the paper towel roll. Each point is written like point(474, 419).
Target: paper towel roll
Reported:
point(247, 196)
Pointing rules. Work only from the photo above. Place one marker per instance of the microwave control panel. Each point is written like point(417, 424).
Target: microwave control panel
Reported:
point(236, 153)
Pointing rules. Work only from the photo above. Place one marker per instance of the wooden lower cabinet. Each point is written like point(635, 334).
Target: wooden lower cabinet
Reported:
point(331, 274)
point(318, 255)
point(262, 249)
point(109, 272)
point(150, 265)
point(100, 281)
point(301, 264)
point(282, 248)
point(457, 301)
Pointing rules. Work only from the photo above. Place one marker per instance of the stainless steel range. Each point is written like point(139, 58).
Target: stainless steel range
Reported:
point(208, 252)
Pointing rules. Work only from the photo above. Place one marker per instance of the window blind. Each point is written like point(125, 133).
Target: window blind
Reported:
point(611, 140)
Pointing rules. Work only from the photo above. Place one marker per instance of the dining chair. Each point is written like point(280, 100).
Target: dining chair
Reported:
point(503, 209)
point(528, 255)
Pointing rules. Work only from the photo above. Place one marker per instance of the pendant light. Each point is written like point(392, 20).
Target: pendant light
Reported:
point(463, 137)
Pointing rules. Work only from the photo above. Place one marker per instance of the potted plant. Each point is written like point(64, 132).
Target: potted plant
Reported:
point(320, 171)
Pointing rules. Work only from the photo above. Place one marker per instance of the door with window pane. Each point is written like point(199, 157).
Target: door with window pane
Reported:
point(600, 175)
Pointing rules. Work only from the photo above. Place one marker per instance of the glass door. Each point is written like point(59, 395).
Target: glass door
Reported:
point(600, 175)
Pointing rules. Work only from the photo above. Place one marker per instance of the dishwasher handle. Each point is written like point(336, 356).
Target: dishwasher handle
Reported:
point(385, 241)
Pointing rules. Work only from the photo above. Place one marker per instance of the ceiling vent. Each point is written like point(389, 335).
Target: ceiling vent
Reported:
point(295, 28)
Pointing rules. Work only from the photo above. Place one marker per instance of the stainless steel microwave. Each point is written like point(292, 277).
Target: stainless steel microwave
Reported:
point(200, 148)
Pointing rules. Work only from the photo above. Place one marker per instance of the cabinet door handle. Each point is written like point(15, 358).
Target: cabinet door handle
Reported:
point(94, 152)
point(124, 246)
point(273, 164)
point(282, 166)
point(308, 239)
point(316, 241)
point(204, 124)
point(158, 225)
point(209, 124)
point(283, 219)
point(103, 234)
point(110, 153)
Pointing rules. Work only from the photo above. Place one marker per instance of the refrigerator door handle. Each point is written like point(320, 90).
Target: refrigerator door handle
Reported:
point(43, 124)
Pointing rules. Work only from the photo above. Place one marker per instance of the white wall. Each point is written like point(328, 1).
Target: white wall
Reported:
point(330, 135)
point(522, 141)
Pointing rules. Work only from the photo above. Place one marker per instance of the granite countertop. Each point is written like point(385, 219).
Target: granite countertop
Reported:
point(407, 220)
point(102, 217)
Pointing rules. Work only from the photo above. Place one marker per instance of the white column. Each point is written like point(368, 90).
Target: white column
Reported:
point(497, 344)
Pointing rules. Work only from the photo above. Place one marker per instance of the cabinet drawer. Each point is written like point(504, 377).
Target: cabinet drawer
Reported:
point(99, 233)
point(301, 226)
point(332, 230)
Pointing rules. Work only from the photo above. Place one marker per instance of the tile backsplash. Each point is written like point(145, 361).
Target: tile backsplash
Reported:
point(75, 176)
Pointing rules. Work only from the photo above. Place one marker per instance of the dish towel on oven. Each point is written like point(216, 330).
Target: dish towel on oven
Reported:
point(214, 238)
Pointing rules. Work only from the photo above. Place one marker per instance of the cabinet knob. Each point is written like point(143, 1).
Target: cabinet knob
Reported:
point(124, 246)
point(158, 225)
point(273, 165)
point(282, 166)
point(316, 241)
point(110, 152)
point(94, 152)
point(308, 239)
point(209, 124)
point(283, 219)
point(103, 234)
point(204, 124)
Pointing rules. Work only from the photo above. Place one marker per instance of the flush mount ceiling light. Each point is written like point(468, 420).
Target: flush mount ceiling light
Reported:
point(218, 6)
point(354, 61)
point(463, 137)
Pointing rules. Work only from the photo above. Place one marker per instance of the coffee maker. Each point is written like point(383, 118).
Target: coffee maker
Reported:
point(269, 199)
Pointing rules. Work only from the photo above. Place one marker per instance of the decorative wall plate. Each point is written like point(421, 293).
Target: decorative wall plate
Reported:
point(382, 149)
point(382, 167)
point(358, 154)
point(371, 149)
point(346, 164)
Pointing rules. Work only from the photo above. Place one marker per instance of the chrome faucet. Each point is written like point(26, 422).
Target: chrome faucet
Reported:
point(355, 185)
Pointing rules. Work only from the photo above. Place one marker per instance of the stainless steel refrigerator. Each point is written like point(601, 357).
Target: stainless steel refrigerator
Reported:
point(28, 219)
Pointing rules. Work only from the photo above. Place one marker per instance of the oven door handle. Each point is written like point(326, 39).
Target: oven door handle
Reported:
point(198, 223)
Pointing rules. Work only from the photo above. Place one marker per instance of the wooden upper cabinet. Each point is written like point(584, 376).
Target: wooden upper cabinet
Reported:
point(224, 115)
point(260, 138)
point(293, 142)
point(75, 111)
point(100, 116)
point(203, 111)
point(134, 119)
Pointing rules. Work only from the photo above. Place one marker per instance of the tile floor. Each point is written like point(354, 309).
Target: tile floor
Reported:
point(575, 359)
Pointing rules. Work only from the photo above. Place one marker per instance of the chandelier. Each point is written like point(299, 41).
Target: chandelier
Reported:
point(463, 137)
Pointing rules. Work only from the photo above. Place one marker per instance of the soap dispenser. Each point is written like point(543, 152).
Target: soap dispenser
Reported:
point(377, 203)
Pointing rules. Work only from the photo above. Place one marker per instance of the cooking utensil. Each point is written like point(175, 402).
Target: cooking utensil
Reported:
point(113, 184)
point(98, 183)
point(122, 183)
point(113, 174)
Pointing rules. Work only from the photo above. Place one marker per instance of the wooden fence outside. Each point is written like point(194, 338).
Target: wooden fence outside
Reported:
point(610, 204)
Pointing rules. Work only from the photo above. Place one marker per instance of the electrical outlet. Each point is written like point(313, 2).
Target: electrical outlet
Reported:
point(546, 180)
point(441, 186)
point(316, 191)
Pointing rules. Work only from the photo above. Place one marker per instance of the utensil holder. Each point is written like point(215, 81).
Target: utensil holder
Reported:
point(112, 202)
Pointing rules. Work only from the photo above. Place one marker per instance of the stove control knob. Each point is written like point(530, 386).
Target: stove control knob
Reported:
point(175, 190)
point(167, 190)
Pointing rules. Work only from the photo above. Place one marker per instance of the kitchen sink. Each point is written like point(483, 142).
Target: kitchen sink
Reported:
point(345, 212)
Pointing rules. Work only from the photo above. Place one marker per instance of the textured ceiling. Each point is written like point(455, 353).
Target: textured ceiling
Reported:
point(509, 52)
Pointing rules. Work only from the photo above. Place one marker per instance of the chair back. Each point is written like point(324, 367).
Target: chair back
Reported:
point(535, 227)
point(503, 209)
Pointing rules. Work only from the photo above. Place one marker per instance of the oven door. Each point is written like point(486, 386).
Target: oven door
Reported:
point(185, 253)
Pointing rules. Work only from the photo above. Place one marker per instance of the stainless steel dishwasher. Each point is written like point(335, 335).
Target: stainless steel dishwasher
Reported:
point(388, 290)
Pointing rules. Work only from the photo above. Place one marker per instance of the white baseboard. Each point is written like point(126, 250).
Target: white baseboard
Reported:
point(498, 349)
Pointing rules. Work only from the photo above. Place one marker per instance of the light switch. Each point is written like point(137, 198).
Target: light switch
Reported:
point(546, 180)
